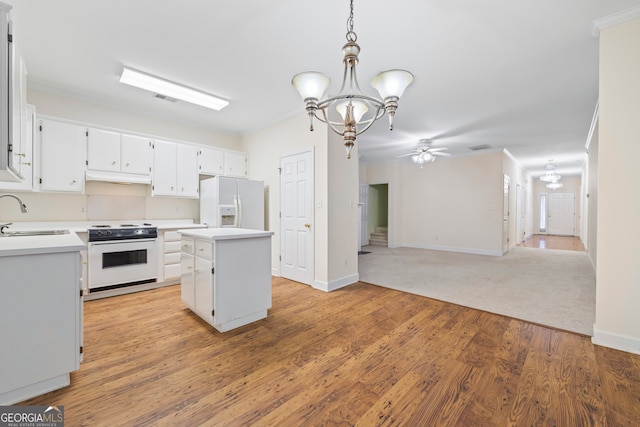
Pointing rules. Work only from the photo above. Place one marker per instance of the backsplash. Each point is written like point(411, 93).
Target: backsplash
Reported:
point(101, 201)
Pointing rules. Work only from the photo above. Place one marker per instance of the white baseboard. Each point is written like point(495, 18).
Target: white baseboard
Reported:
point(455, 249)
point(615, 341)
point(275, 271)
point(336, 284)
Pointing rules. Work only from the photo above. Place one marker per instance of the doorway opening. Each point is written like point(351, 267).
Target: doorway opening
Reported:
point(378, 219)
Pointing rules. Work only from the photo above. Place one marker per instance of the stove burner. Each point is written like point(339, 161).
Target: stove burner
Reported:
point(101, 226)
point(128, 225)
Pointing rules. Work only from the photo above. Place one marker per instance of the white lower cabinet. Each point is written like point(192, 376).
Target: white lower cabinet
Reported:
point(227, 281)
point(171, 255)
point(41, 317)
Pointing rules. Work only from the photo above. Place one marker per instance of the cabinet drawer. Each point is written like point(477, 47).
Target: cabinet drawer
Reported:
point(171, 236)
point(204, 249)
point(172, 271)
point(170, 247)
point(186, 245)
point(172, 258)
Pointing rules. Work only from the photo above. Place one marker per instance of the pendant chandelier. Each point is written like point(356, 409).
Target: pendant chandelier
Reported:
point(550, 176)
point(351, 103)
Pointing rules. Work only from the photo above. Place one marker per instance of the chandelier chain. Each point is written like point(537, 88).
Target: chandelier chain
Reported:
point(351, 35)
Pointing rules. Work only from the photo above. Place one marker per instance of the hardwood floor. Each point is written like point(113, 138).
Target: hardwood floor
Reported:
point(363, 355)
point(569, 243)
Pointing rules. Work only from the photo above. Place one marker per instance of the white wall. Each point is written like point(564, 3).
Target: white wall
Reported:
point(265, 148)
point(388, 173)
point(618, 229)
point(592, 200)
point(452, 204)
point(521, 182)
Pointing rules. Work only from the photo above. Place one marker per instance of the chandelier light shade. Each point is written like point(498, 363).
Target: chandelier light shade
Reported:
point(351, 103)
point(554, 185)
point(550, 176)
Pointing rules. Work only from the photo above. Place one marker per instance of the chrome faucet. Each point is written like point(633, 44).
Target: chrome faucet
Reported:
point(23, 209)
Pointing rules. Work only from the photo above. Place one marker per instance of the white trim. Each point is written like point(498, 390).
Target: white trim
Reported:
point(592, 128)
point(336, 284)
point(455, 249)
point(615, 341)
point(614, 19)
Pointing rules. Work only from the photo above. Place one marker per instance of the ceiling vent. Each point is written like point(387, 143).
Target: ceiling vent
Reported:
point(165, 97)
point(480, 147)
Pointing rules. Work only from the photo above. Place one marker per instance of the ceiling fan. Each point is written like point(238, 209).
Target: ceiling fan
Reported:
point(425, 153)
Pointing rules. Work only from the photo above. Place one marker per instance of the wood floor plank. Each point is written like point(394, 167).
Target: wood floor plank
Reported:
point(362, 355)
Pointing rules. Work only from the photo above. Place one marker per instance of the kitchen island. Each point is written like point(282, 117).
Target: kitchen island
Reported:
point(40, 314)
point(226, 275)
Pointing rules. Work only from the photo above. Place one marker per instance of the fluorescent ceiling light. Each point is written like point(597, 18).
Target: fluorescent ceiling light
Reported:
point(170, 89)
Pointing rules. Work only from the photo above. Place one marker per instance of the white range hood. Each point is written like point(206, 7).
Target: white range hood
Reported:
point(121, 178)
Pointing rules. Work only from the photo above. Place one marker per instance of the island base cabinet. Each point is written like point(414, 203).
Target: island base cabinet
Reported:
point(227, 283)
point(41, 318)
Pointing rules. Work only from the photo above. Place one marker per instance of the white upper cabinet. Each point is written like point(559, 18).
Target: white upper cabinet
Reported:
point(62, 156)
point(103, 150)
point(27, 164)
point(118, 155)
point(175, 170)
point(187, 171)
point(136, 155)
point(13, 101)
point(210, 161)
point(235, 164)
point(164, 168)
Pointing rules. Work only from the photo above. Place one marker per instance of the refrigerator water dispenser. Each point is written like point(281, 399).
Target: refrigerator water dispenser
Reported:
point(228, 216)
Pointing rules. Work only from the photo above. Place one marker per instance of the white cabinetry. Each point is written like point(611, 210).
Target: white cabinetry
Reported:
point(210, 161)
point(27, 159)
point(62, 156)
point(164, 168)
point(235, 164)
point(136, 156)
point(41, 314)
point(187, 171)
point(226, 275)
point(13, 99)
point(118, 153)
point(170, 256)
point(175, 169)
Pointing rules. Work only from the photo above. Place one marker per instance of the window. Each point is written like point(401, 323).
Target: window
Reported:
point(543, 213)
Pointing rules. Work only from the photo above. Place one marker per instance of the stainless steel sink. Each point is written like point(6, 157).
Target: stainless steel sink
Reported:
point(33, 233)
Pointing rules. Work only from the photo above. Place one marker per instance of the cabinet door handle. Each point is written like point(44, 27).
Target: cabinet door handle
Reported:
point(113, 163)
point(73, 182)
point(126, 165)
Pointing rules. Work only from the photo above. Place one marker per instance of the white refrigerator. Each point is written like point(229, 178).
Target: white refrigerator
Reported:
point(232, 202)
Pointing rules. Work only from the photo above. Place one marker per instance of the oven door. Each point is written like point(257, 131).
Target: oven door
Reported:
point(122, 262)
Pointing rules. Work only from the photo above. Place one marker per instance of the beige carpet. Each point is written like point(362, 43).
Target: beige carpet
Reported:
point(550, 287)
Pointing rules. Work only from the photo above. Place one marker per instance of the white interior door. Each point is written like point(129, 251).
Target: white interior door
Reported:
point(296, 217)
point(505, 214)
point(363, 203)
point(561, 219)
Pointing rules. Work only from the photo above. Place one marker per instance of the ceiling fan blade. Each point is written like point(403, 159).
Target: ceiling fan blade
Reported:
point(433, 150)
point(405, 155)
point(441, 154)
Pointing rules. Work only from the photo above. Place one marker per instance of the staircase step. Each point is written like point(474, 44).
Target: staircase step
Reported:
point(378, 236)
point(381, 230)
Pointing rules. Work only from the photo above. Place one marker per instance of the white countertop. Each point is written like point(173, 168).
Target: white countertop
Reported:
point(32, 245)
point(225, 233)
point(81, 226)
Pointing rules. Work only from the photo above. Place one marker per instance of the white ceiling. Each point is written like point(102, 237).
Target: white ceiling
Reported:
point(520, 75)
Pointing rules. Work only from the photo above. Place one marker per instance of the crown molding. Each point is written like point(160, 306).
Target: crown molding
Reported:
point(614, 19)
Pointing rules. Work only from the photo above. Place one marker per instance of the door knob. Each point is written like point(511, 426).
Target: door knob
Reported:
point(308, 225)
